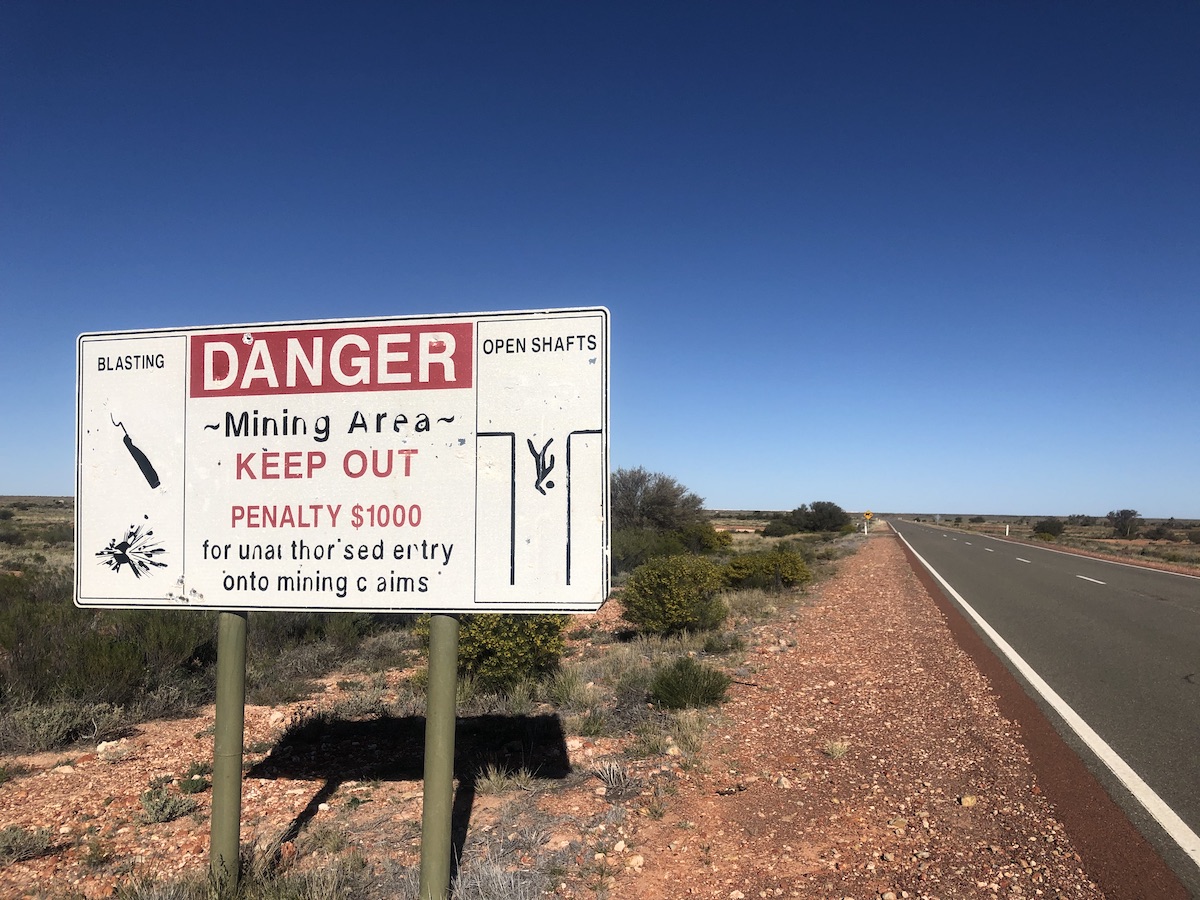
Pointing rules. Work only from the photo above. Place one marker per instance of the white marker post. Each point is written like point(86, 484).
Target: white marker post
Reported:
point(442, 464)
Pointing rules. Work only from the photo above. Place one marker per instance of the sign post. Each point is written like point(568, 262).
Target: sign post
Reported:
point(867, 522)
point(438, 798)
point(225, 847)
point(442, 464)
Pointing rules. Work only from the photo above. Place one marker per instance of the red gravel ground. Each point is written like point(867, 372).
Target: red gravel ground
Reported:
point(863, 754)
point(936, 793)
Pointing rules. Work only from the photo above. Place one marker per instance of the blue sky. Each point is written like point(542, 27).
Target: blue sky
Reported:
point(907, 257)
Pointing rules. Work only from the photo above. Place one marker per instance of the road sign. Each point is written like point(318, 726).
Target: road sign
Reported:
point(867, 515)
point(443, 463)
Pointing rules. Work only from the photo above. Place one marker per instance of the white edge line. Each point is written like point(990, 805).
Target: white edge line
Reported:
point(1174, 826)
point(1099, 559)
point(1092, 580)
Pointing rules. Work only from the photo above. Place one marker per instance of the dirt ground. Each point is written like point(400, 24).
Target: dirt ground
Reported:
point(862, 754)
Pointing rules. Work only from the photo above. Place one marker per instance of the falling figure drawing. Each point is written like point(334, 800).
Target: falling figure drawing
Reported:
point(543, 464)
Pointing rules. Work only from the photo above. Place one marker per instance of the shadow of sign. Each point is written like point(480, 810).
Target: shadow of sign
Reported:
point(333, 750)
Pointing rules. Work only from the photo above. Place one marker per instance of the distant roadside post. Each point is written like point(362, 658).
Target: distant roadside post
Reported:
point(867, 522)
point(440, 464)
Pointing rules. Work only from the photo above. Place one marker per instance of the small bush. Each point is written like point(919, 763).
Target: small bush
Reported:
point(768, 570)
point(823, 515)
point(780, 528)
point(1194, 535)
point(689, 728)
point(632, 547)
point(160, 805)
point(836, 749)
point(35, 727)
point(1052, 527)
point(702, 537)
point(495, 779)
point(57, 534)
point(195, 779)
point(262, 878)
point(666, 596)
point(590, 722)
point(618, 781)
point(568, 691)
point(728, 642)
point(17, 844)
point(9, 771)
point(497, 650)
point(1161, 533)
point(685, 683)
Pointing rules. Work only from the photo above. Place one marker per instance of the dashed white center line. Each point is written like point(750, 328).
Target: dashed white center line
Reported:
point(1020, 559)
point(1092, 580)
point(1174, 826)
point(989, 549)
point(969, 544)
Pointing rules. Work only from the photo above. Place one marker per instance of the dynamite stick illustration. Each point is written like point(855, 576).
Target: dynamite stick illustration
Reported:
point(138, 456)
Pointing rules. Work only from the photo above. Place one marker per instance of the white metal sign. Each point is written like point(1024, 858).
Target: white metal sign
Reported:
point(442, 463)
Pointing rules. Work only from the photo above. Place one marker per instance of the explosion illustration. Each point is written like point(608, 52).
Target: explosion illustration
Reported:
point(137, 550)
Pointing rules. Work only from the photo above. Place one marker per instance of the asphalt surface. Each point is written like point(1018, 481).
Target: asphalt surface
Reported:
point(1119, 644)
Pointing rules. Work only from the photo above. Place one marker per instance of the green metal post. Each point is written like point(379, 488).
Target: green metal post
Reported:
point(439, 758)
point(227, 751)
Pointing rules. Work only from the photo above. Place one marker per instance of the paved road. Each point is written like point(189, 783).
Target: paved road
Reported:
point(1119, 644)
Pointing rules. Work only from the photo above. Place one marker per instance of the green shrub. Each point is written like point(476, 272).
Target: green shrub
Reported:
point(780, 528)
point(195, 779)
point(768, 570)
point(57, 534)
point(823, 515)
point(10, 771)
point(677, 593)
point(702, 537)
point(1161, 533)
point(500, 649)
point(1194, 535)
point(728, 642)
point(160, 805)
point(53, 650)
point(686, 683)
point(27, 727)
point(631, 547)
point(568, 691)
point(17, 843)
point(1052, 527)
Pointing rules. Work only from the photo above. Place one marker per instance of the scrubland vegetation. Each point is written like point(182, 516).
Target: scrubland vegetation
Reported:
point(691, 596)
point(1122, 533)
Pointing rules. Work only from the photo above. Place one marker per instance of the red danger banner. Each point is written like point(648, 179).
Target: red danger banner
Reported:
point(331, 360)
